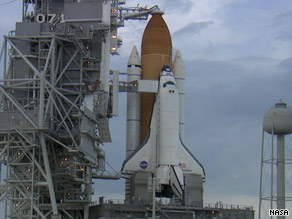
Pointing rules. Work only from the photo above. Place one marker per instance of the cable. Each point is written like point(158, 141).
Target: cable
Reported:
point(8, 3)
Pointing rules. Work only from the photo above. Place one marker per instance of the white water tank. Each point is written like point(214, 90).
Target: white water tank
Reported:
point(278, 120)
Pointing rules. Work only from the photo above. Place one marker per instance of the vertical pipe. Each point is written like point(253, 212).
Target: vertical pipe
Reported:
point(280, 172)
point(36, 7)
point(272, 171)
point(153, 197)
point(7, 177)
point(5, 59)
point(23, 2)
point(32, 182)
point(42, 99)
point(2, 51)
point(53, 78)
point(86, 211)
point(104, 65)
point(88, 187)
point(104, 68)
point(261, 177)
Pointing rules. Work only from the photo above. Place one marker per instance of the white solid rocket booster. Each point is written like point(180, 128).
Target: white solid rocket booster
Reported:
point(179, 75)
point(133, 104)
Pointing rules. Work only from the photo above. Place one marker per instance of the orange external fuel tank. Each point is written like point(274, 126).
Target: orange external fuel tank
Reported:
point(156, 51)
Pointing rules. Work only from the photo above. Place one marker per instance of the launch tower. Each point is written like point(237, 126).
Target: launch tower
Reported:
point(56, 96)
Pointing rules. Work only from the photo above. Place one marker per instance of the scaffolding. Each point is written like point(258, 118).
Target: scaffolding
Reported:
point(47, 135)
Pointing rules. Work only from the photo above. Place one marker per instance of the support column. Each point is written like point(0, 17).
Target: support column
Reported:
point(44, 146)
point(280, 173)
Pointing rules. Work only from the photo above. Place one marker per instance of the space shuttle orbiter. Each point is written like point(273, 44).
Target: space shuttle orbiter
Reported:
point(162, 152)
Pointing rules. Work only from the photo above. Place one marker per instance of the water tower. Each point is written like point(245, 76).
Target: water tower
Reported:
point(275, 160)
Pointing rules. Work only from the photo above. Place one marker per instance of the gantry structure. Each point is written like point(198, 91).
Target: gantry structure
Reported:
point(56, 97)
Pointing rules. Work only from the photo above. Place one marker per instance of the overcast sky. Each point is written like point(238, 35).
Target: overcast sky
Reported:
point(238, 58)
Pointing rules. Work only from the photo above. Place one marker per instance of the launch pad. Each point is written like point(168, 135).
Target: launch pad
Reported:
point(117, 209)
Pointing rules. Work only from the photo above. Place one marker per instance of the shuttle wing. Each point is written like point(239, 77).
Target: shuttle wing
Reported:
point(144, 157)
point(188, 162)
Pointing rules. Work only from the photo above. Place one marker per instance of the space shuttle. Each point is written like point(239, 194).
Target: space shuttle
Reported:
point(155, 118)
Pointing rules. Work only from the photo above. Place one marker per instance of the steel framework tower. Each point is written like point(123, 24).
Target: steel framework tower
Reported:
point(56, 98)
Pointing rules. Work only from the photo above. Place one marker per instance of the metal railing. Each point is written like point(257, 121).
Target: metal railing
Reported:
point(162, 202)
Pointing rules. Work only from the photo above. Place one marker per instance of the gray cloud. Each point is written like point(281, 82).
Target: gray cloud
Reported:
point(283, 18)
point(285, 36)
point(192, 28)
point(286, 64)
point(281, 23)
point(254, 59)
point(178, 5)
